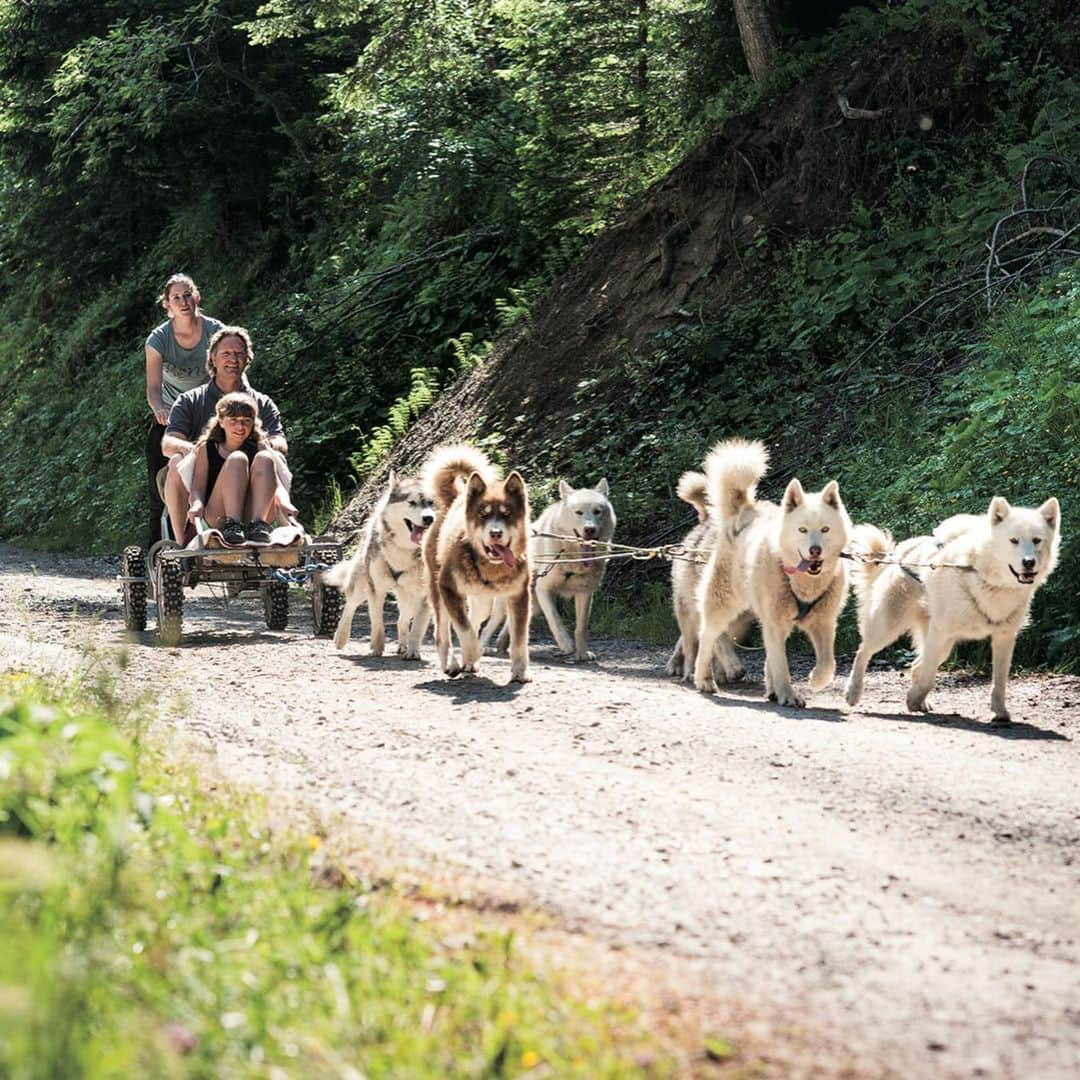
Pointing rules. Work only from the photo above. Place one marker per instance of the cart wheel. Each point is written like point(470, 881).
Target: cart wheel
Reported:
point(276, 604)
point(169, 595)
point(326, 601)
point(133, 565)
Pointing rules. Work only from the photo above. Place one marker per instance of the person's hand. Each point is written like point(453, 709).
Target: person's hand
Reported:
point(196, 509)
point(162, 416)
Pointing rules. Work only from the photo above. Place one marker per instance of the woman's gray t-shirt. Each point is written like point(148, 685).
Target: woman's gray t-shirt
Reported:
point(182, 369)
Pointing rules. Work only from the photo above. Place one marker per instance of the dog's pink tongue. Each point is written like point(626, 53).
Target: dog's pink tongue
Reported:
point(504, 553)
point(416, 535)
point(804, 565)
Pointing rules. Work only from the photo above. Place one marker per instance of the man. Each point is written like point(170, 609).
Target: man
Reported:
point(227, 359)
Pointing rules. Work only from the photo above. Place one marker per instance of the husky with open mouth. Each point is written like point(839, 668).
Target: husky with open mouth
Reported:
point(565, 545)
point(477, 552)
point(781, 564)
point(974, 578)
point(389, 560)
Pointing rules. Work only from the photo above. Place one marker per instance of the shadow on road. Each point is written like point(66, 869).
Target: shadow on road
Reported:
point(1017, 730)
point(466, 689)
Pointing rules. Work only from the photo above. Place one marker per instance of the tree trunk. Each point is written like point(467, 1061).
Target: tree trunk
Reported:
point(757, 34)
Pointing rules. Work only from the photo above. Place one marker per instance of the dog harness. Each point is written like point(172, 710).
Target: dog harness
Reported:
point(806, 606)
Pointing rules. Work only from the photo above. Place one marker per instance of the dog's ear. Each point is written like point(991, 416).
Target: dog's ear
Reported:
point(565, 490)
point(999, 510)
point(602, 487)
point(516, 489)
point(830, 495)
point(1051, 511)
point(794, 495)
point(391, 478)
point(476, 486)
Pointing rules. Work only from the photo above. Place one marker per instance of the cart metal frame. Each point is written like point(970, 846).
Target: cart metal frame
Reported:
point(162, 573)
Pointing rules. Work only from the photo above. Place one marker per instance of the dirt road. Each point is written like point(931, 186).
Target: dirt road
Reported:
point(867, 889)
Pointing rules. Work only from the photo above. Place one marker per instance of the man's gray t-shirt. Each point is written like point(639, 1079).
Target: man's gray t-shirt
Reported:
point(182, 369)
point(194, 409)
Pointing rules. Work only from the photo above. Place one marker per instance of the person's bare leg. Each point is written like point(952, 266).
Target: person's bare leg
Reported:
point(176, 499)
point(262, 493)
point(227, 498)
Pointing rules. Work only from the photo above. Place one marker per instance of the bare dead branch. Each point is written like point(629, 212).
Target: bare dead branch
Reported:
point(849, 112)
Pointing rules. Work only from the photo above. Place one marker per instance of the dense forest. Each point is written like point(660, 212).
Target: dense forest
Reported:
point(596, 236)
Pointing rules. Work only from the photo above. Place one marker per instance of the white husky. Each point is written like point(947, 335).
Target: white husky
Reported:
point(973, 579)
point(781, 563)
point(567, 567)
point(686, 575)
point(389, 560)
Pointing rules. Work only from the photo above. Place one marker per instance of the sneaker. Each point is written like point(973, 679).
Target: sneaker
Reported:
point(232, 532)
point(258, 531)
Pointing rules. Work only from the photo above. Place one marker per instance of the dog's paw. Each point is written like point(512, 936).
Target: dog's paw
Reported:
point(706, 686)
point(790, 698)
point(732, 674)
point(917, 702)
point(1001, 718)
point(586, 657)
point(852, 693)
point(520, 676)
point(820, 679)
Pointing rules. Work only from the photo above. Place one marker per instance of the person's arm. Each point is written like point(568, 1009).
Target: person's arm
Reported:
point(178, 434)
point(197, 506)
point(155, 366)
point(271, 422)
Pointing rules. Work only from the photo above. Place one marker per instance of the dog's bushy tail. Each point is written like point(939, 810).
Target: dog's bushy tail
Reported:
point(732, 470)
point(450, 464)
point(694, 489)
point(876, 543)
point(337, 575)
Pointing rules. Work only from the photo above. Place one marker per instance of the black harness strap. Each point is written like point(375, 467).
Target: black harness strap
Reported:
point(806, 606)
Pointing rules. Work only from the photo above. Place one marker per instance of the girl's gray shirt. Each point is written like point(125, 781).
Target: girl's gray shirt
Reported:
point(182, 369)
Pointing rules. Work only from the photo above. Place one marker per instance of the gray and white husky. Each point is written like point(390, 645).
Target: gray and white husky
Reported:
point(563, 544)
point(389, 560)
point(974, 578)
point(781, 564)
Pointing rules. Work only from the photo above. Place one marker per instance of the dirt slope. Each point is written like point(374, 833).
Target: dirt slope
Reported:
point(788, 171)
point(866, 891)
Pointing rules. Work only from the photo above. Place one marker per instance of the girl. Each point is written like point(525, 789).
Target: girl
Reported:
point(234, 479)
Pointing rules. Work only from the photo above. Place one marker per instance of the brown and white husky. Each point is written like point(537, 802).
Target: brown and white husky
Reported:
point(477, 551)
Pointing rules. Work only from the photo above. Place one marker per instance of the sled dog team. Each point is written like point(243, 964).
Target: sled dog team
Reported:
point(457, 544)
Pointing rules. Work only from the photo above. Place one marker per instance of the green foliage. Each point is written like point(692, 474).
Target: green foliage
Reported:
point(366, 187)
point(153, 930)
point(402, 413)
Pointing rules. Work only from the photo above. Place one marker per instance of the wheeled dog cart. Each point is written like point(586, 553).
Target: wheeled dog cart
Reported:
point(162, 574)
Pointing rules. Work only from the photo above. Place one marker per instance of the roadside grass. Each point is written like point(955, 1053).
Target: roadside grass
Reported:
point(154, 928)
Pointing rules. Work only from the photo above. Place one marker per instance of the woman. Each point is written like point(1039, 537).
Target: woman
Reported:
point(235, 479)
point(175, 362)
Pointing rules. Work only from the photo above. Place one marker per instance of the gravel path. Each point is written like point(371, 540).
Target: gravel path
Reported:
point(902, 888)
